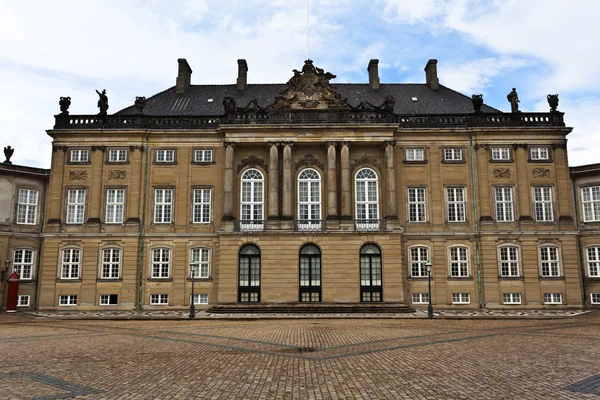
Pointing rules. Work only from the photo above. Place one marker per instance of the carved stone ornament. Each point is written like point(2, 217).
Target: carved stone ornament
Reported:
point(541, 173)
point(140, 103)
point(365, 160)
point(477, 100)
point(388, 104)
point(309, 161)
point(501, 173)
point(64, 103)
point(98, 148)
point(251, 108)
point(8, 152)
point(252, 162)
point(117, 174)
point(553, 102)
point(107, 243)
point(78, 175)
point(59, 148)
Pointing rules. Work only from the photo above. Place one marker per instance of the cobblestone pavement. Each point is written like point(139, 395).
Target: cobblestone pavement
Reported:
point(301, 359)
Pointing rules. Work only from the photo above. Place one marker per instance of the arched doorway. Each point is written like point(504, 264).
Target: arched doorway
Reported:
point(249, 274)
point(310, 273)
point(370, 274)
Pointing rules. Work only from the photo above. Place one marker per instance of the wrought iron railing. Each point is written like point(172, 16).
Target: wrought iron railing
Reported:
point(243, 225)
point(134, 122)
point(369, 225)
point(482, 119)
point(309, 225)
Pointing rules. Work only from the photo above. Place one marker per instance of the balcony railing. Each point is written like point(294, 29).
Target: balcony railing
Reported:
point(309, 225)
point(483, 119)
point(134, 122)
point(257, 225)
point(369, 225)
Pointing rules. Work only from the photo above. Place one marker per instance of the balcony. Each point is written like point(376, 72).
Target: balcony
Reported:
point(369, 225)
point(309, 225)
point(257, 225)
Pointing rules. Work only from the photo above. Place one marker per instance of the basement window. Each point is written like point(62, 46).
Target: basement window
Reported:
point(414, 99)
point(108, 299)
point(209, 100)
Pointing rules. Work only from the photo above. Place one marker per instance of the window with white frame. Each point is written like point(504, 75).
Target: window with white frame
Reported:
point(455, 204)
point(500, 153)
point(590, 201)
point(593, 261)
point(504, 204)
point(418, 260)
point(163, 206)
point(117, 155)
point(252, 204)
point(459, 262)
point(367, 196)
point(200, 263)
point(80, 156)
point(67, 300)
point(75, 206)
point(461, 298)
point(161, 261)
point(27, 206)
point(109, 299)
point(512, 298)
point(159, 299)
point(200, 298)
point(552, 298)
point(165, 156)
point(309, 197)
point(542, 199)
point(595, 298)
point(417, 205)
point(420, 298)
point(509, 261)
point(414, 154)
point(539, 153)
point(71, 264)
point(549, 261)
point(201, 206)
point(203, 156)
point(23, 263)
point(115, 203)
point(111, 263)
point(453, 154)
point(23, 300)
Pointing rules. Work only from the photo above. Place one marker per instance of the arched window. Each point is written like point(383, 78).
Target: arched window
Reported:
point(252, 200)
point(310, 273)
point(418, 260)
point(509, 261)
point(249, 274)
point(309, 199)
point(367, 200)
point(370, 273)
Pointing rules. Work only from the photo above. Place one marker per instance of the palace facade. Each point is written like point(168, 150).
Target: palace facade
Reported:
point(312, 192)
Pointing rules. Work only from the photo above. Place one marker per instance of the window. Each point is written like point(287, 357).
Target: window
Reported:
point(420, 298)
point(200, 298)
point(370, 274)
point(593, 261)
point(504, 204)
point(552, 298)
point(309, 198)
point(367, 198)
point(117, 155)
point(415, 154)
point(459, 262)
point(418, 260)
point(111, 263)
point(75, 206)
point(203, 156)
point(453, 154)
point(80, 156)
point(590, 197)
point(455, 203)
point(310, 273)
point(163, 206)
point(201, 206)
point(252, 203)
point(71, 258)
point(461, 298)
point(27, 206)
point(200, 263)
point(67, 300)
point(109, 299)
point(115, 202)
point(165, 156)
point(595, 298)
point(23, 301)
point(509, 261)
point(542, 197)
point(161, 260)
point(23, 263)
point(249, 274)
point(512, 298)
point(539, 153)
point(159, 299)
point(416, 205)
point(549, 261)
point(500, 154)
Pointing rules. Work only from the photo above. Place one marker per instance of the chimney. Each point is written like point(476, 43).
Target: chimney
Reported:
point(242, 79)
point(431, 75)
point(373, 74)
point(184, 76)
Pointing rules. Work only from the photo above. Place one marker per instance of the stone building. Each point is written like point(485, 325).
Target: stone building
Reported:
point(313, 192)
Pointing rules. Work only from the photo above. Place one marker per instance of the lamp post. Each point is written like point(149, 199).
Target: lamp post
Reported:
point(429, 307)
point(6, 265)
point(192, 307)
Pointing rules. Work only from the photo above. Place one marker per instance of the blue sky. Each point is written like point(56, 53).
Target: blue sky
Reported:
point(71, 48)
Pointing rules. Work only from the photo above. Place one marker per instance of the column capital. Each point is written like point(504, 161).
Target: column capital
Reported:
point(284, 144)
point(481, 146)
point(96, 148)
point(276, 144)
point(342, 144)
point(519, 146)
point(389, 143)
point(329, 144)
point(559, 145)
point(59, 148)
point(229, 144)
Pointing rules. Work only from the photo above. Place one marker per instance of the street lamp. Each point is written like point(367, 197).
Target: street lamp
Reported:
point(192, 307)
point(6, 265)
point(429, 307)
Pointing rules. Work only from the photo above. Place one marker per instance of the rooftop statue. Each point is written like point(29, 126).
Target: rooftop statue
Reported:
point(64, 103)
point(102, 102)
point(8, 152)
point(513, 99)
point(553, 102)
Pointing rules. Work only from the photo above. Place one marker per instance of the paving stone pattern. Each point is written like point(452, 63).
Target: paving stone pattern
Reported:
point(301, 358)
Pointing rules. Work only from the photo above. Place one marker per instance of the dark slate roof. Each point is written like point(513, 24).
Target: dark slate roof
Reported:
point(195, 101)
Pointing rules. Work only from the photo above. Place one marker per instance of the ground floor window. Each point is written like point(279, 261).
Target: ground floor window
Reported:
point(370, 274)
point(512, 298)
point(109, 299)
point(595, 297)
point(310, 273)
point(420, 298)
point(159, 299)
point(552, 298)
point(249, 274)
point(461, 298)
point(200, 298)
point(23, 301)
point(67, 300)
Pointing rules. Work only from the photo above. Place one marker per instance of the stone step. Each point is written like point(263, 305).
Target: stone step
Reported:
point(316, 308)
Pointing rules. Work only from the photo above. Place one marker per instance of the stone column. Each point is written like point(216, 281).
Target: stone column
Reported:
point(523, 182)
point(56, 189)
point(483, 189)
point(332, 212)
point(346, 191)
point(228, 184)
point(563, 183)
point(136, 183)
point(287, 181)
point(95, 192)
point(390, 180)
point(273, 180)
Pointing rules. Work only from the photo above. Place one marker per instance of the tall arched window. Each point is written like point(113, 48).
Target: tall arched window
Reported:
point(310, 273)
point(370, 273)
point(309, 200)
point(252, 201)
point(367, 200)
point(249, 274)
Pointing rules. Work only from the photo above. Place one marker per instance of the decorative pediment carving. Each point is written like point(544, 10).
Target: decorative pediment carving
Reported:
point(252, 162)
point(500, 173)
point(78, 174)
point(309, 161)
point(541, 173)
point(388, 104)
point(251, 108)
point(117, 174)
point(365, 160)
